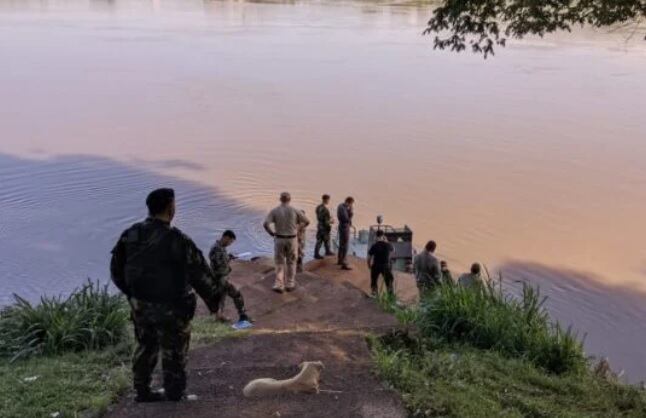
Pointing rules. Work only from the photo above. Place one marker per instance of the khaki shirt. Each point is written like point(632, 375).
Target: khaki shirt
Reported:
point(286, 220)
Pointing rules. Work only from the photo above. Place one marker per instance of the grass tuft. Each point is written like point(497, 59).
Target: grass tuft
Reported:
point(464, 382)
point(484, 353)
point(488, 318)
point(88, 319)
point(71, 384)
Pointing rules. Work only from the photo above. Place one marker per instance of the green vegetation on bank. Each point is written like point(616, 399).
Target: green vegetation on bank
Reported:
point(89, 319)
point(68, 384)
point(64, 355)
point(483, 353)
point(72, 356)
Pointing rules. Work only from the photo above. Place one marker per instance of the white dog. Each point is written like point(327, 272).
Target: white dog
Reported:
point(306, 381)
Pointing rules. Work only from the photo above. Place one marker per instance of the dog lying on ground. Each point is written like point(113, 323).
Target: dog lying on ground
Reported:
point(306, 381)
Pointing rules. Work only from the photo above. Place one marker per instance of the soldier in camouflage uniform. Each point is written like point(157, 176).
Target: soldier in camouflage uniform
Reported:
point(447, 277)
point(221, 269)
point(300, 236)
point(323, 228)
point(159, 268)
point(344, 214)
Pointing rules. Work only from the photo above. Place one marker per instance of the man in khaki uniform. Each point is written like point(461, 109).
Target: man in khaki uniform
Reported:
point(286, 221)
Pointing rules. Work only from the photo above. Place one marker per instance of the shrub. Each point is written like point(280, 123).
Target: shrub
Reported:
point(461, 381)
point(90, 318)
point(488, 318)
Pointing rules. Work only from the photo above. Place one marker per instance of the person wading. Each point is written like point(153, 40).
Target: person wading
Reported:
point(286, 221)
point(157, 267)
point(344, 214)
point(323, 228)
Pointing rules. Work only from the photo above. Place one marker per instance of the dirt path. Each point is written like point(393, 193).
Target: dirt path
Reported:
point(327, 318)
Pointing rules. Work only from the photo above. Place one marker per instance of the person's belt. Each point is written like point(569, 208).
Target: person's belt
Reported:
point(285, 236)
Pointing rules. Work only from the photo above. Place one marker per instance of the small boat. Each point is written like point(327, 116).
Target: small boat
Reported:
point(401, 239)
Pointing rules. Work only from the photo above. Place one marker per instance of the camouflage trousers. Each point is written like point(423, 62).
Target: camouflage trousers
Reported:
point(425, 288)
point(165, 328)
point(322, 239)
point(228, 289)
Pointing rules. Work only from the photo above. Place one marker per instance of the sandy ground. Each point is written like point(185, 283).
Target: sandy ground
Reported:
point(327, 318)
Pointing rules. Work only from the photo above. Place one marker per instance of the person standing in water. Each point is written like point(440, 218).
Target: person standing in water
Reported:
point(323, 228)
point(344, 214)
point(286, 221)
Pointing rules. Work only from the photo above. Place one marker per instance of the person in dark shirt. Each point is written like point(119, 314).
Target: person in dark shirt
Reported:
point(379, 263)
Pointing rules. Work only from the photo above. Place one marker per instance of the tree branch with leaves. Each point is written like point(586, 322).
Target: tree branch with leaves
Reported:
point(485, 24)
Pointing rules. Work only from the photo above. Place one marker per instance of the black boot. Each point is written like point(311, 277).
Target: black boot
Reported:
point(317, 251)
point(149, 396)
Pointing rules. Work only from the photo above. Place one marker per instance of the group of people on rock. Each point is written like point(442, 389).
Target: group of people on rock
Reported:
point(429, 271)
point(287, 225)
point(160, 270)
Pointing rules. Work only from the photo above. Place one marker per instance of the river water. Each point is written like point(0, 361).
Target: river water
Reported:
point(532, 162)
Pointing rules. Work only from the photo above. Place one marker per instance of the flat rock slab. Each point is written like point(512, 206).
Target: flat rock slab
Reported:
point(326, 319)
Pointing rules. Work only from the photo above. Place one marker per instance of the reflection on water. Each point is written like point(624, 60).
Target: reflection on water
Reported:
point(537, 154)
point(609, 317)
point(62, 216)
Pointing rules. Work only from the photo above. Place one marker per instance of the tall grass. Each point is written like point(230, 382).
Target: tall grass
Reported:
point(89, 318)
point(489, 318)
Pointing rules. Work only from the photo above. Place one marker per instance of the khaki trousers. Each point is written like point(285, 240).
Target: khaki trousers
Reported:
point(285, 254)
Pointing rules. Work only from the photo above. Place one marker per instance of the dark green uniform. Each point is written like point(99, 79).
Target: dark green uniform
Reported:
point(221, 269)
point(158, 267)
point(447, 277)
point(323, 229)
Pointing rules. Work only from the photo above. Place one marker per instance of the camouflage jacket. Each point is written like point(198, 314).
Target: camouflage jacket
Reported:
point(157, 263)
point(323, 216)
point(219, 261)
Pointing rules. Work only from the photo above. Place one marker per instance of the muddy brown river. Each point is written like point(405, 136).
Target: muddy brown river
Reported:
point(532, 162)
